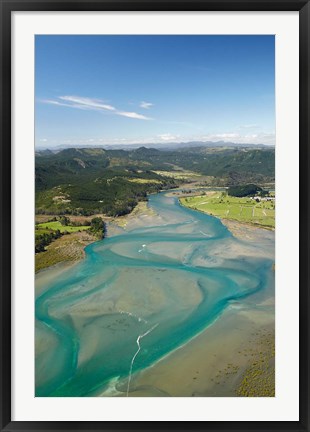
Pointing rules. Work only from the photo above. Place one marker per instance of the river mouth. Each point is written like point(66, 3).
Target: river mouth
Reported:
point(138, 296)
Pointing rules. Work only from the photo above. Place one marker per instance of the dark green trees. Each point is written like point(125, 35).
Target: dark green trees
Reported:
point(244, 190)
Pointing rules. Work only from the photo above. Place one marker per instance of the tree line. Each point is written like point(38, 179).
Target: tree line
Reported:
point(97, 228)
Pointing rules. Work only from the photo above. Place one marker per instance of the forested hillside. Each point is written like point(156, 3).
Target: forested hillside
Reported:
point(94, 180)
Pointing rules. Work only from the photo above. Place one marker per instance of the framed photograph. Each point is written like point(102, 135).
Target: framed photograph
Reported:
point(154, 215)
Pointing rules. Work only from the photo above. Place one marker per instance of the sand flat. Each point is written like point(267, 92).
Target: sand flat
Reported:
point(214, 362)
point(107, 304)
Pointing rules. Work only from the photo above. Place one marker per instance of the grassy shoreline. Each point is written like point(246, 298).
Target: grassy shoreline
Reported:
point(68, 248)
point(224, 217)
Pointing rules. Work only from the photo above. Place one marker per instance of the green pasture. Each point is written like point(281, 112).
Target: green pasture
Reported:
point(54, 226)
point(178, 175)
point(239, 209)
point(41, 231)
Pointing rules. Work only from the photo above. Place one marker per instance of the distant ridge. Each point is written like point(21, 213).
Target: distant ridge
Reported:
point(159, 146)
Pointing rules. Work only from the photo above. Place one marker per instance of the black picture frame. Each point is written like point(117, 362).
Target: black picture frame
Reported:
point(9, 6)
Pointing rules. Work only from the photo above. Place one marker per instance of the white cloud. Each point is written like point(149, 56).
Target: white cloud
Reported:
point(249, 126)
point(267, 138)
point(69, 105)
point(43, 140)
point(90, 103)
point(53, 102)
point(227, 135)
point(93, 105)
point(168, 137)
point(146, 105)
point(132, 115)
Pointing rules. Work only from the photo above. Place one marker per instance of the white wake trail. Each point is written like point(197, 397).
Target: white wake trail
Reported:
point(136, 353)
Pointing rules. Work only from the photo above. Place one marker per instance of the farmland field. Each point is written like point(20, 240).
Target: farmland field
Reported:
point(58, 226)
point(179, 175)
point(239, 209)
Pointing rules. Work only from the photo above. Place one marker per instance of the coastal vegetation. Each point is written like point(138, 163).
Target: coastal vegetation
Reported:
point(67, 248)
point(62, 240)
point(259, 376)
point(252, 374)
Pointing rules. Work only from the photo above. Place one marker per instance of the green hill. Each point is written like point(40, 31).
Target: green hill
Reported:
point(94, 180)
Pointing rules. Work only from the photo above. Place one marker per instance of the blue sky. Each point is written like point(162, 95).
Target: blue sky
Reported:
point(141, 89)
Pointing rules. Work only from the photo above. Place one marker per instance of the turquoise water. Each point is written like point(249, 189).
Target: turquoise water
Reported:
point(139, 295)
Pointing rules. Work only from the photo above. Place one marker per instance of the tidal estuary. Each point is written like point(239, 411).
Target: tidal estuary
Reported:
point(139, 295)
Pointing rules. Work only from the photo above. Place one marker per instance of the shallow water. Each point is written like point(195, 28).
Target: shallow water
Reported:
point(138, 296)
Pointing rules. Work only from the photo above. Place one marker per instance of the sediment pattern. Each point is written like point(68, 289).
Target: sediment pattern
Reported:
point(139, 295)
